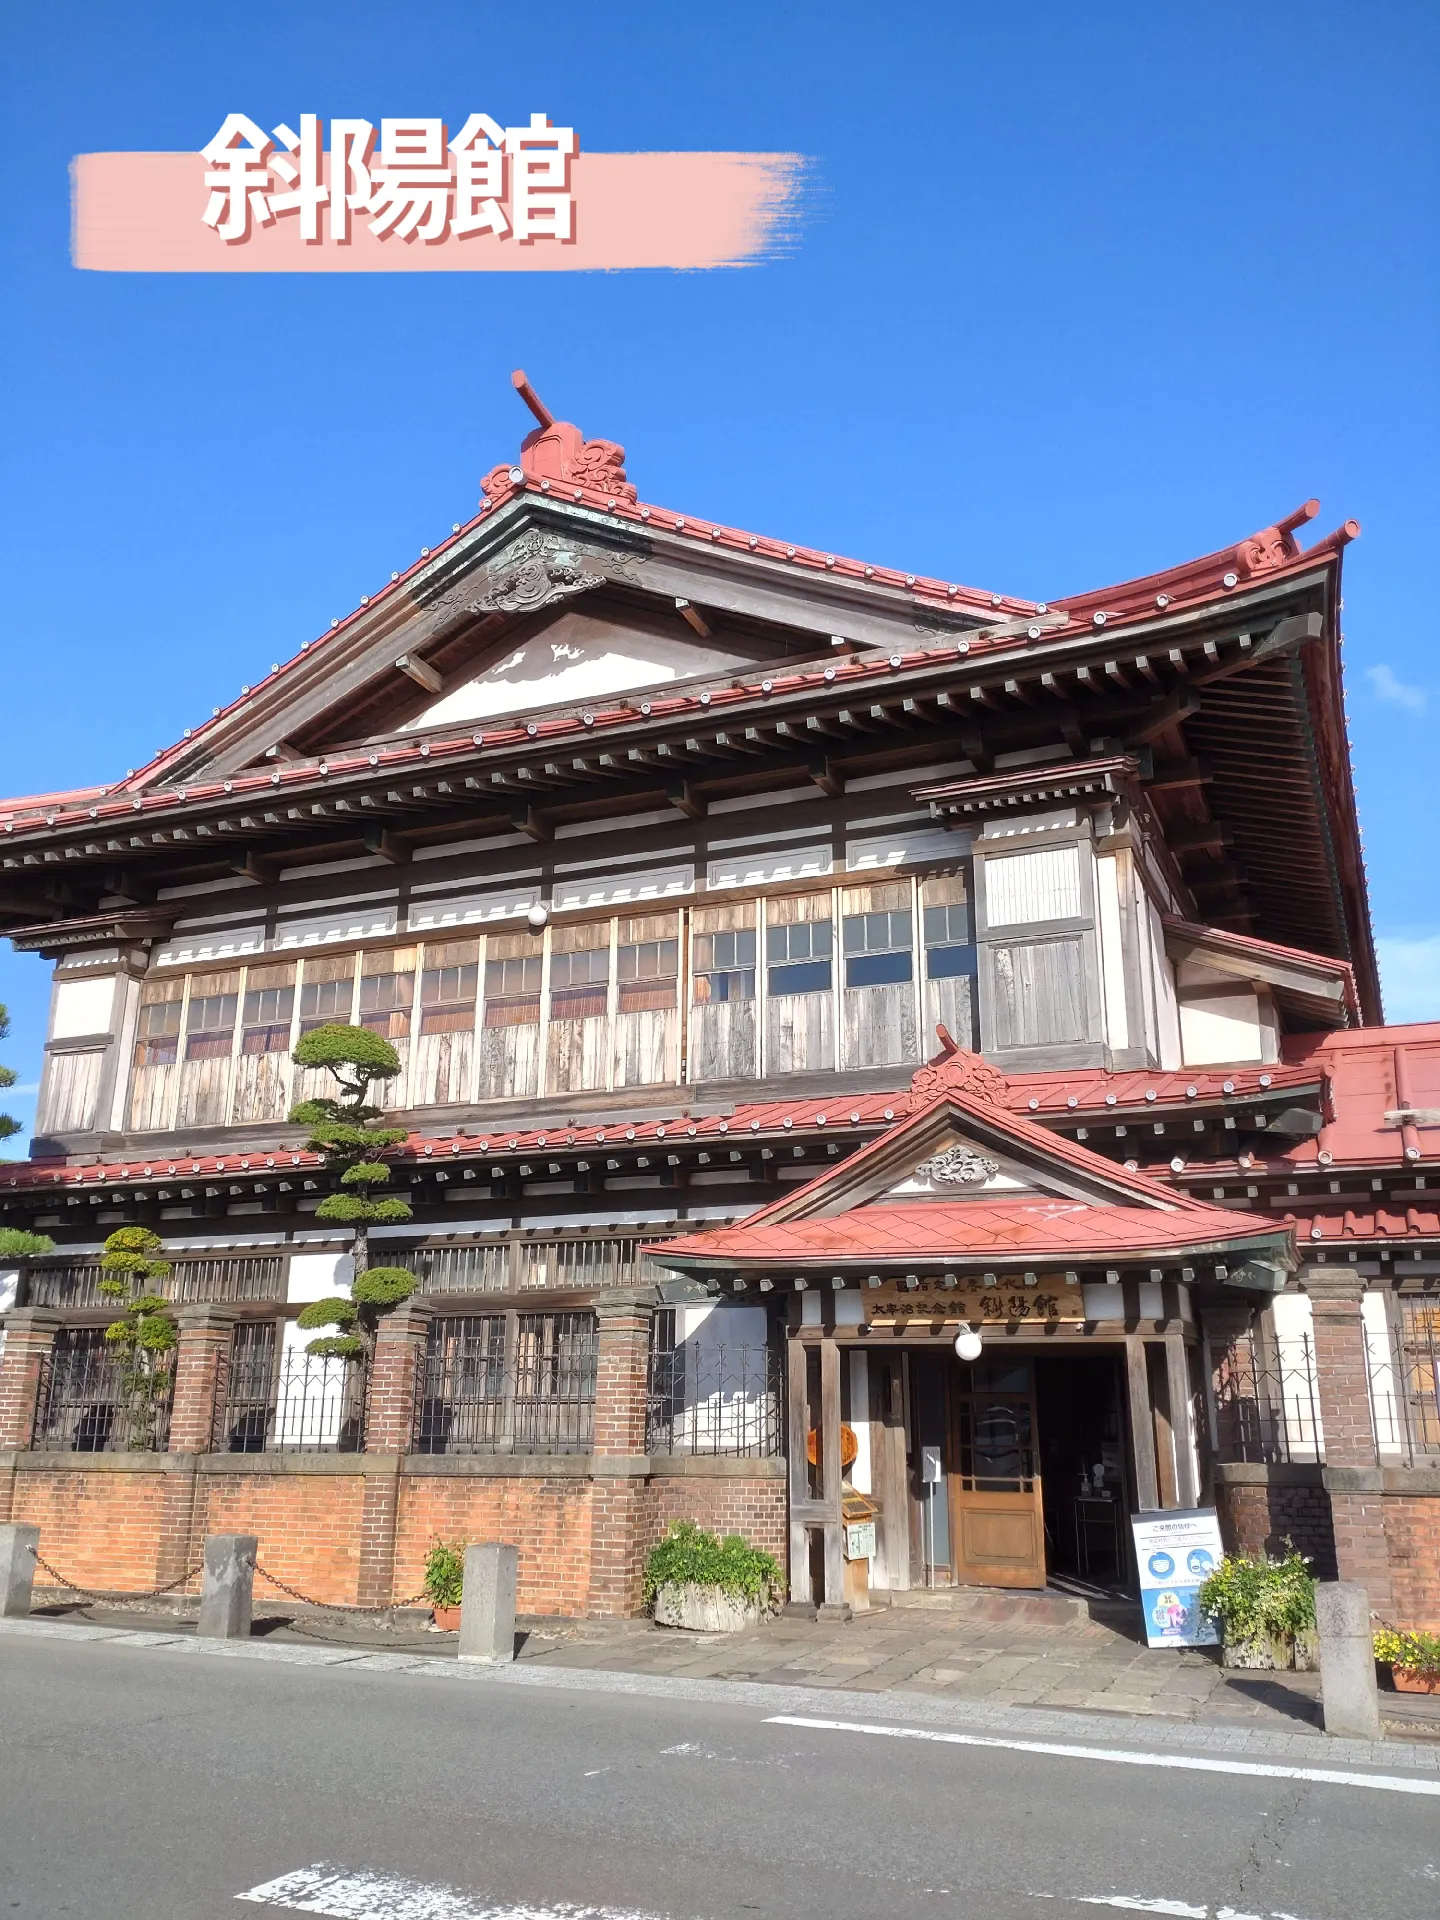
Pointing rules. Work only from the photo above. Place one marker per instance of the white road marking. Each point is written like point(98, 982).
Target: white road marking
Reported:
point(345, 1895)
point(1119, 1756)
point(1133, 1905)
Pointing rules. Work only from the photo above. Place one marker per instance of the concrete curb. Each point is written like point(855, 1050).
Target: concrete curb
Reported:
point(1303, 1747)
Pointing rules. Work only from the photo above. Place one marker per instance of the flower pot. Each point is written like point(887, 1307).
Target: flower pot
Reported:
point(446, 1618)
point(705, 1609)
point(1416, 1679)
point(1272, 1653)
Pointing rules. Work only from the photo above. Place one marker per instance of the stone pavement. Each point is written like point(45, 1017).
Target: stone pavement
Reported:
point(977, 1646)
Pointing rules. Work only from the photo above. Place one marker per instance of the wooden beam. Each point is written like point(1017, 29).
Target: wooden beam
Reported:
point(380, 840)
point(692, 617)
point(251, 865)
point(1163, 715)
point(823, 773)
point(977, 752)
point(1198, 837)
point(420, 671)
point(525, 820)
point(1175, 776)
point(797, 1428)
point(683, 796)
point(831, 1471)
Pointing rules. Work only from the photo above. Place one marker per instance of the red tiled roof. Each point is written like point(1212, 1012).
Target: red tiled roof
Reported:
point(975, 1229)
point(1372, 1072)
point(1248, 943)
point(1415, 1223)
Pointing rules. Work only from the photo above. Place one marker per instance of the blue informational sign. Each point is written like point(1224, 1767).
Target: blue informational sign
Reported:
point(1176, 1553)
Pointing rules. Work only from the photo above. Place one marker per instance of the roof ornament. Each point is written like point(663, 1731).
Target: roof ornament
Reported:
point(559, 452)
point(954, 1070)
point(1273, 546)
point(957, 1166)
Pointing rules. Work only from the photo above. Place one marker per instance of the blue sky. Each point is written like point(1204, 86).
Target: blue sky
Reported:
point(1076, 293)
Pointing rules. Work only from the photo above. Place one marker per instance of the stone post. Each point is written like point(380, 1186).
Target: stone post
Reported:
point(225, 1600)
point(395, 1371)
point(18, 1546)
point(29, 1341)
point(620, 1496)
point(1352, 1465)
point(1347, 1660)
point(487, 1603)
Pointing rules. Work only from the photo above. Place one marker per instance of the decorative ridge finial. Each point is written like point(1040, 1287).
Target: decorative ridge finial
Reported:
point(955, 1070)
point(557, 452)
point(1272, 546)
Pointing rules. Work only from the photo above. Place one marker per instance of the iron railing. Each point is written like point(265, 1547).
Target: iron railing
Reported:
point(714, 1399)
point(224, 1278)
point(1266, 1406)
point(508, 1383)
point(97, 1399)
point(279, 1398)
point(1405, 1384)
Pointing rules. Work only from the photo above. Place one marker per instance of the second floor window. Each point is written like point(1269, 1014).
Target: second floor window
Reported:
point(157, 1032)
point(269, 1003)
point(877, 949)
point(797, 957)
point(513, 972)
point(210, 1019)
point(448, 991)
point(580, 984)
point(724, 966)
point(326, 1003)
point(949, 941)
point(387, 993)
point(647, 963)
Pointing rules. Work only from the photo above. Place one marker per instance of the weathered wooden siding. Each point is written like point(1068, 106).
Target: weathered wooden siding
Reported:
point(723, 1034)
point(1039, 992)
point(390, 975)
point(442, 1069)
point(205, 1071)
point(647, 1010)
point(71, 1091)
point(880, 1023)
point(800, 1027)
point(577, 1054)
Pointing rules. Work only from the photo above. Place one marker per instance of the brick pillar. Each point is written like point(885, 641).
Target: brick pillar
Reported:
point(1353, 1477)
point(29, 1340)
point(202, 1368)
point(389, 1435)
point(620, 1492)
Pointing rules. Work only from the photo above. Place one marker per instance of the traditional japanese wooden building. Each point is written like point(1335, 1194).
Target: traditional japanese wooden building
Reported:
point(798, 965)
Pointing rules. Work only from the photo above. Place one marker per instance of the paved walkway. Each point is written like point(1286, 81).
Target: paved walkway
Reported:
point(979, 1647)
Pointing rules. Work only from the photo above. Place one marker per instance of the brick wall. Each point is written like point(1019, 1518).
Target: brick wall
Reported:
point(307, 1527)
point(101, 1529)
point(753, 1508)
point(548, 1519)
point(1412, 1529)
point(1259, 1518)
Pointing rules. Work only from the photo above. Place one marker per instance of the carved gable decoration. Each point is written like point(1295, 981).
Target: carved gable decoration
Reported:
point(958, 1071)
point(538, 568)
point(957, 1166)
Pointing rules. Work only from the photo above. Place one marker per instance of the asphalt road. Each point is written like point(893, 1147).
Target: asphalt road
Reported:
point(146, 1784)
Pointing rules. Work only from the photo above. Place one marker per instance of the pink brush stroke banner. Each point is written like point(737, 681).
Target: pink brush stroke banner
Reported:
point(141, 213)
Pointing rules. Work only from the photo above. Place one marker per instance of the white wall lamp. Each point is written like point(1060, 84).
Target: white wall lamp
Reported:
point(968, 1344)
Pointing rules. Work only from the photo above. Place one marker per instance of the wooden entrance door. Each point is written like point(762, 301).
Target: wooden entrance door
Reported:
point(997, 1521)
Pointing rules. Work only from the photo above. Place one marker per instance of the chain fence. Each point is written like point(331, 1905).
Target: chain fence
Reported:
point(334, 1606)
point(130, 1598)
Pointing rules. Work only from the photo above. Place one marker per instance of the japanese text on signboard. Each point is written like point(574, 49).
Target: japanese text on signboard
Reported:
point(419, 182)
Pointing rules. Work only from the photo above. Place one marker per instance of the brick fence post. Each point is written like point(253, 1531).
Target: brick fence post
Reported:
point(29, 1341)
point(395, 1370)
point(202, 1369)
point(1353, 1477)
point(620, 1493)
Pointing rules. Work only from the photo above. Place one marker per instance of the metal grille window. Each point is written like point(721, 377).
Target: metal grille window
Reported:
point(555, 1356)
point(1404, 1362)
point(463, 1400)
point(387, 993)
point(724, 966)
point(579, 984)
point(269, 1004)
point(1265, 1408)
point(797, 957)
point(94, 1399)
point(157, 1032)
point(448, 991)
point(249, 1406)
point(281, 1399)
point(877, 949)
point(210, 1020)
point(711, 1398)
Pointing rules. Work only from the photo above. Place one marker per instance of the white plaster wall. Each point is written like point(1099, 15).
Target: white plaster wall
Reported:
point(1220, 1018)
point(81, 1007)
point(1112, 949)
point(310, 1403)
point(1294, 1327)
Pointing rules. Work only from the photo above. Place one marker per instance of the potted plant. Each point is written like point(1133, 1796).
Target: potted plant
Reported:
point(444, 1583)
point(1266, 1611)
point(694, 1580)
point(1413, 1659)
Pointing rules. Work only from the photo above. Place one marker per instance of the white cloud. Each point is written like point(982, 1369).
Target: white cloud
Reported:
point(1410, 977)
point(1394, 692)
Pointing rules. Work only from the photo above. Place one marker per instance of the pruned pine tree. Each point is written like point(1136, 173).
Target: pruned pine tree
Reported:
point(9, 1125)
point(144, 1336)
point(346, 1132)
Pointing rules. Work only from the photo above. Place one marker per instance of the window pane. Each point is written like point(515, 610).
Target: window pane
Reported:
point(269, 1006)
point(738, 984)
point(948, 963)
point(877, 969)
point(948, 926)
point(809, 976)
point(323, 1002)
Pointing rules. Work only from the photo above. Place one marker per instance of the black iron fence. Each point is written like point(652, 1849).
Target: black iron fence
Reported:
point(1266, 1401)
point(715, 1399)
point(280, 1398)
point(76, 1283)
point(508, 1383)
point(1405, 1383)
point(98, 1398)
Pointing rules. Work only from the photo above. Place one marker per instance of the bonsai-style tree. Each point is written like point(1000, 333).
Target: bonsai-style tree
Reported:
point(144, 1335)
point(9, 1125)
point(17, 1244)
point(346, 1132)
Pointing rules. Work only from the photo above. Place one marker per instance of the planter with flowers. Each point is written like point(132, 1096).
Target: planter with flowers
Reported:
point(1266, 1612)
point(710, 1586)
point(444, 1583)
point(1413, 1659)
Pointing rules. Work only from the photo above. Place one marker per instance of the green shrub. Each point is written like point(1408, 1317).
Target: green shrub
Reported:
point(16, 1243)
point(688, 1556)
point(445, 1573)
point(1416, 1652)
point(382, 1286)
point(1260, 1599)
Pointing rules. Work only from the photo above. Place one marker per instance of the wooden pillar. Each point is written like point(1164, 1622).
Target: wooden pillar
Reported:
point(1142, 1426)
point(797, 1427)
point(836, 1605)
point(1177, 1373)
